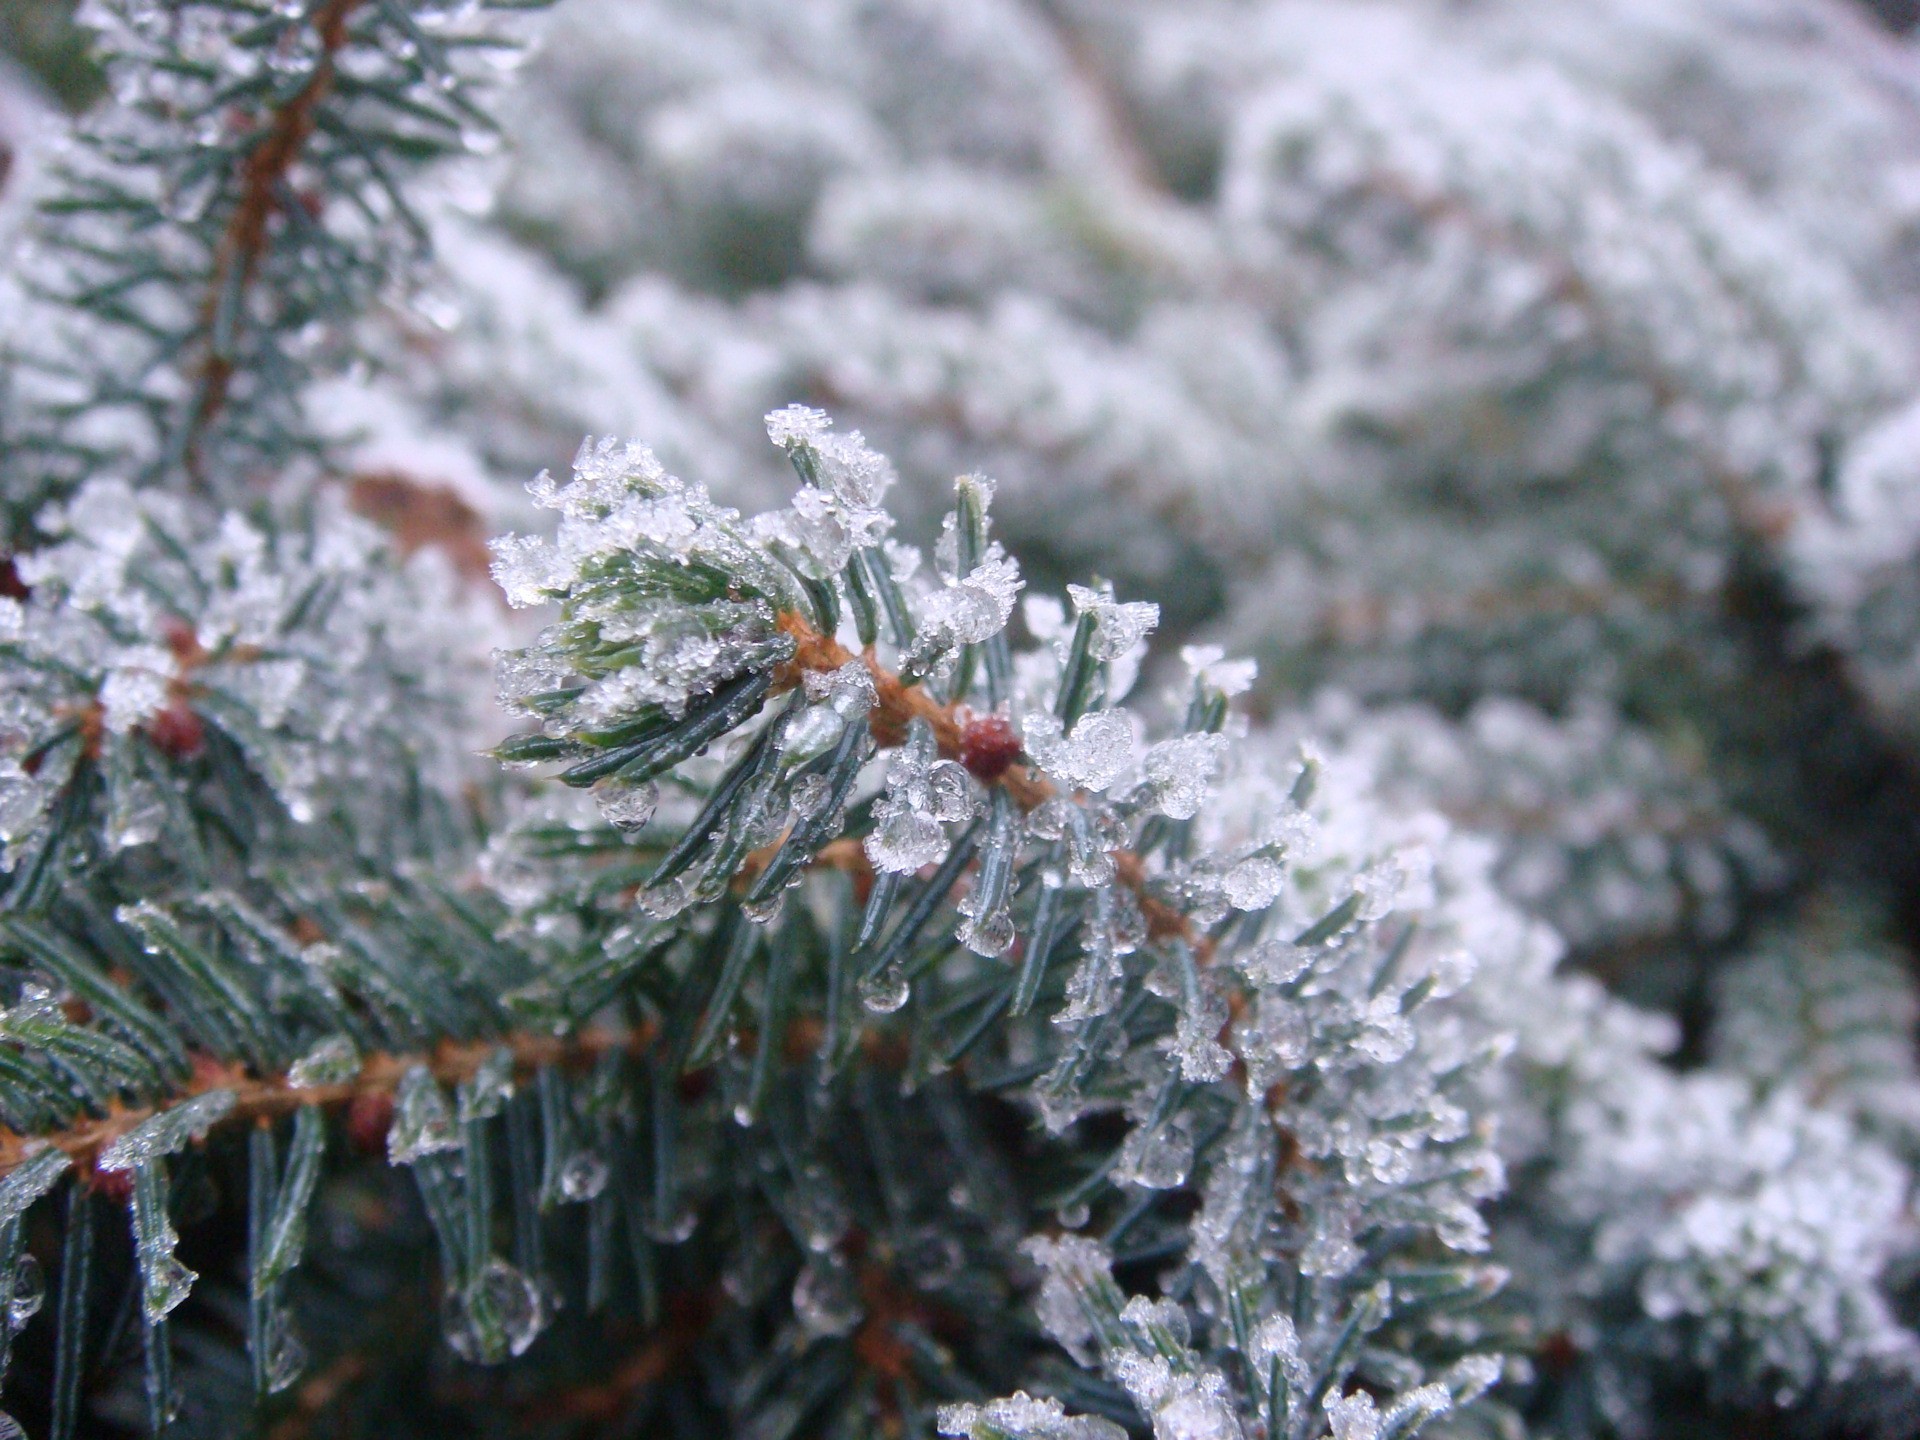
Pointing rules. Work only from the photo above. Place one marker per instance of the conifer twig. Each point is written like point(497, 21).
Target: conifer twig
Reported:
point(257, 1098)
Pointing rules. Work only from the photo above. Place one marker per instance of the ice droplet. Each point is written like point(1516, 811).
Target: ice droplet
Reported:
point(1118, 626)
point(1197, 1409)
point(950, 795)
point(334, 1061)
point(135, 814)
point(817, 1211)
point(825, 1301)
point(988, 935)
point(164, 1281)
point(626, 807)
point(486, 1094)
point(765, 912)
point(809, 794)
point(1097, 753)
point(496, 1316)
point(932, 1259)
point(29, 1290)
point(1254, 883)
point(286, 1352)
point(885, 992)
point(422, 1123)
point(665, 900)
point(1159, 1159)
point(812, 732)
point(904, 839)
point(583, 1175)
point(1021, 1417)
point(1352, 1417)
point(1274, 962)
point(170, 1130)
point(1181, 769)
point(675, 1229)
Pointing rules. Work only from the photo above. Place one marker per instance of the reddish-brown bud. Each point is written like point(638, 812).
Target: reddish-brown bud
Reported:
point(369, 1117)
point(988, 746)
point(177, 731)
point(116, 1185)
point(182, 639)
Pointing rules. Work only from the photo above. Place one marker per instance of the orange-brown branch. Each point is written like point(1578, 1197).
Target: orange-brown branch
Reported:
point(898, 704)
point(263, 174)
point(259, 1099)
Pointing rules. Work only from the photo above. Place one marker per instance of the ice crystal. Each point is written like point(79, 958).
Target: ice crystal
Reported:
point(1022, 1417)
point(1094, 757)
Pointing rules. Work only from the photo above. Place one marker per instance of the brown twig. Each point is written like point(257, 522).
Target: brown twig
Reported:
point(256, 1098)
point(898, 704)
point(244, 242)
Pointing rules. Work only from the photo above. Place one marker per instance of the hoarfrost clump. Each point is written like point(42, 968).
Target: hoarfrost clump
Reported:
point(148, 630)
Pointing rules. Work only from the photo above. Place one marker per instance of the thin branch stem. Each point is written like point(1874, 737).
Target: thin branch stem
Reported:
point(256, 1098)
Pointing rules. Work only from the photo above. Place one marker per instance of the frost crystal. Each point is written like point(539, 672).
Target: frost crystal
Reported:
point(967, 609)
point(1181, 769)
point(923, 796)
point(1021, 1417)
point(1117, 626)
point(422, 1122)
point(161, 1135)
point(333, 1061)
point(1093, 757)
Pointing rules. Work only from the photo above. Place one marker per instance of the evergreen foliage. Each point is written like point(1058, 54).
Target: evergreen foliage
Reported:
point(848, 951)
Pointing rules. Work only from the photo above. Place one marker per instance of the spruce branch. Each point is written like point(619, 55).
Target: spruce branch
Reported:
point(257, 1098)
point(264, 189)
point(204, 252)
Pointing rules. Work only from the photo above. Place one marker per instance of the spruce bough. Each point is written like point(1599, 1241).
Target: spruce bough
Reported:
point(861, 876)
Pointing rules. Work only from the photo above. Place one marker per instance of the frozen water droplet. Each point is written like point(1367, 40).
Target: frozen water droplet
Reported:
point(626, 807)
point(1181, 769)
point(1048, 820)
point(29, 1290)
point(170, 1130)
point(487, 1093)
point(135, 815)
point(422, 1123)
point(665, 900)
point(988, 935)
point(1098, 753)
point(334, 1061)
point(904, 839)
point(809, 794)
point(677, 1228)
point(743, 1115)
point(1159, 1159)
point(1274, 962)
point(1254, 883)
point(286, 1352)
point(812, 732)
point(1118, 626)
point(825, 1301)
point(496, 1316)
point(165, 1283)
point(765, 912)
point(886, 991)
point(583, 1175)
point(817, 1211)
point(1021, 1417)
point(1072, 1217)
point(950, 793)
